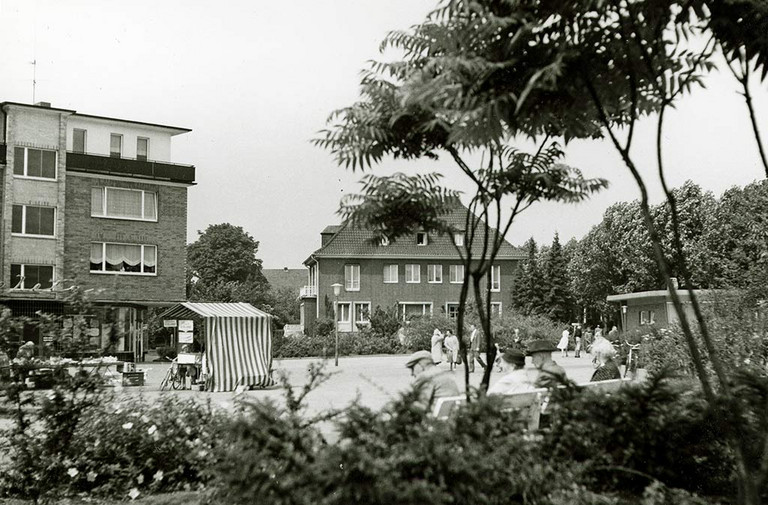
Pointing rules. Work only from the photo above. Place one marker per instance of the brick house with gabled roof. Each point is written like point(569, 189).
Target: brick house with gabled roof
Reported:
point(421, 274)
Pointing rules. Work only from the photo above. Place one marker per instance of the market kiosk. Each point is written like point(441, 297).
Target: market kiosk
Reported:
point(235, 342)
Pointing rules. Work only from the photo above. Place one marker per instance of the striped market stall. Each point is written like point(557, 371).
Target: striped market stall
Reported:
point(238, 342)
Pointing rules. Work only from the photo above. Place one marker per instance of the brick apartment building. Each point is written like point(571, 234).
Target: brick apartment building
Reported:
point(91, 201)
point(420, 274)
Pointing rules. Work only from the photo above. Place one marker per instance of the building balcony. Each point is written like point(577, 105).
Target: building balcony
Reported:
point(308, 292)
point(127, 167)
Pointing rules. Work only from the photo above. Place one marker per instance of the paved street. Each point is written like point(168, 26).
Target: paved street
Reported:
point(374, 379)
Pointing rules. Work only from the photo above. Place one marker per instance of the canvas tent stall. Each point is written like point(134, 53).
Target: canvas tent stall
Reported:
point(238, 342)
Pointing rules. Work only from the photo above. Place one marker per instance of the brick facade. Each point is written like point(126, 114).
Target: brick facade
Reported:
point(168, 234)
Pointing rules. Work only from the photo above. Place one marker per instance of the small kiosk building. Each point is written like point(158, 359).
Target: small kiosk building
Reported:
point(237, 342)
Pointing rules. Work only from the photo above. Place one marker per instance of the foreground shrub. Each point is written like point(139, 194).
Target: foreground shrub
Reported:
point(107, 448)
point(657, 431)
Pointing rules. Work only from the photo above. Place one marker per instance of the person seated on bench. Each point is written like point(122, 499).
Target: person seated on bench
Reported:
point(516, 379)
point(550, 373)
point(431, 381)
point(607, 368)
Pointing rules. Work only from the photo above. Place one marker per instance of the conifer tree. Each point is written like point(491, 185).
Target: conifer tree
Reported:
point(527, 297)
point(556, 285)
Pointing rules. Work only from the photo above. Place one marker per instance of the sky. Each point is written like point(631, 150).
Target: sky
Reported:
point(256, 80)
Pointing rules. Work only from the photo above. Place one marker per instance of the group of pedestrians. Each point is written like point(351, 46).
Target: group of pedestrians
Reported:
point(434, 381)
point(447, 346)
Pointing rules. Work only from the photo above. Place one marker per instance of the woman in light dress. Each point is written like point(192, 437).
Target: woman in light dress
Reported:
point(452, 346)
point(563, 344)
point(437, 346)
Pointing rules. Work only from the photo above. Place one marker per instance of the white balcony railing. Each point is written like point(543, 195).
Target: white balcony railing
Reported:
point(308, 292)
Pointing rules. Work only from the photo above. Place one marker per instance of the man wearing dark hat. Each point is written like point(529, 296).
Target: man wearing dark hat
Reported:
point(550, 373)
point(516, 379)
point(431, 382)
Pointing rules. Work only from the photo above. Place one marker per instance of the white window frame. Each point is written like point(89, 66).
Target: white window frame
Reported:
point(435, 274)
point(105, 195)
point(352, 281)
point(26, 165)
point(410, 278)
point(459, 270)
point(495, 278)
point(390, 267)
point(422, 235)
point(458, 239)
point(384, 241)
point(119, 154)
point(341, 312)
point(23, 274)
point(448, 306)
point(355, 306)
point(85, 140)
point(114, 272)
point(496, 304)
point(23, 233)
point(137, 148)
point(401, 307)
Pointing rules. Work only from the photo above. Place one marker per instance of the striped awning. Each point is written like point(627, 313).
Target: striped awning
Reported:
point(238, 342)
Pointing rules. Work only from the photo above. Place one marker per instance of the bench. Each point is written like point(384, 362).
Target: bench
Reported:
point(531, 404)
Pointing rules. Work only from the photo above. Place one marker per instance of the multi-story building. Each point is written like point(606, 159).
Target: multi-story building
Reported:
point(419, 274)
point(95, 202)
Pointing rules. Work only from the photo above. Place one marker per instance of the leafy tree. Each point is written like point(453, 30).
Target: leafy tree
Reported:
point(224, 253)
point(556, 295)
point(738, 238)
point(591, 270)
point(395, 118)
point(592, 69)
point(223, 267)
point(527, 296)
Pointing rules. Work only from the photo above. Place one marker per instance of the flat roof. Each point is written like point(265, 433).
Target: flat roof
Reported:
point(653, 294)
point(105, 118)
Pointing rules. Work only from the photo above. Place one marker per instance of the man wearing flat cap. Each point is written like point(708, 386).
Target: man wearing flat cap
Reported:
point(550, 373)
point(516, 379)
point(431, 382)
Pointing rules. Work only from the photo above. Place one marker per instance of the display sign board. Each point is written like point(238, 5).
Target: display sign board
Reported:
point(185, 337)
point(186, 325)
point(169, 323)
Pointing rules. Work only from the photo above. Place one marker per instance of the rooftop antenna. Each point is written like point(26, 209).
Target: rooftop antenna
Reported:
point(34, 79)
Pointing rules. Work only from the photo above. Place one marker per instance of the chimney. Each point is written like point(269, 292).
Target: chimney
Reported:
point(47, 105)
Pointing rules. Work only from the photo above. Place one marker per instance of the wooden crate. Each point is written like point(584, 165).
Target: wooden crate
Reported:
point(133, 378)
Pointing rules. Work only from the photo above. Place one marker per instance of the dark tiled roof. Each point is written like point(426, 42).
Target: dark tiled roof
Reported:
point(293, 278)
point(331, 228)
point(352, 241)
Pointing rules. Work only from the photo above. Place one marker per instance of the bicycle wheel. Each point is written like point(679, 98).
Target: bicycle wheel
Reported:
point(166, 383)
point(176, 381)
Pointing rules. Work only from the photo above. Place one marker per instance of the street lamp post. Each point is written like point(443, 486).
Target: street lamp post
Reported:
point(624, 318)
point(336, 290)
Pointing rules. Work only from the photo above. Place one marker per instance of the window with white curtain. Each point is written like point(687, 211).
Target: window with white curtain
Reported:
point(121, 203)
point(352, 277)
point(123, 258)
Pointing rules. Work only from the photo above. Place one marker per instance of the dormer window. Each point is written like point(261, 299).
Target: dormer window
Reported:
point(384, 241)
point(421, 238)
point(458, 239)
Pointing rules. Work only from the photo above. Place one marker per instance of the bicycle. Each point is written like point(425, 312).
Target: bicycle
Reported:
point(172, 378)
point(632, 360)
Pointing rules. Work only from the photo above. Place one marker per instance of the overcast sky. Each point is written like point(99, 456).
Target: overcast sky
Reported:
point(255, 81)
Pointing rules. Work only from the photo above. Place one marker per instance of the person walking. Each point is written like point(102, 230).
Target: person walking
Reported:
point(563, 344)
point(474, 349)
point(431, 382)
point(437, 346)
point(577, 339)
point(452, 347)
point(586, 340)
